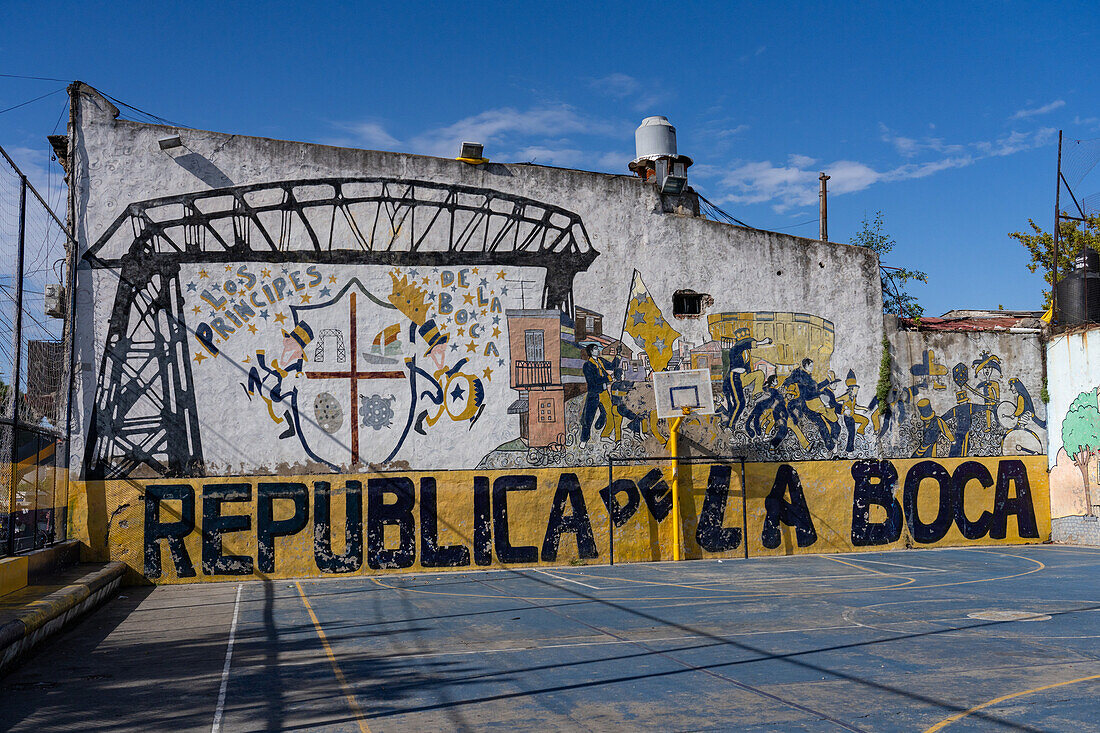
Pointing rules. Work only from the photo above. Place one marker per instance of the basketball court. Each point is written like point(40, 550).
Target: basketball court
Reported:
point(953, 639)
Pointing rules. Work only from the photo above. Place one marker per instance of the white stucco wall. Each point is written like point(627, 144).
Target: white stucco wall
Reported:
point(118, 163)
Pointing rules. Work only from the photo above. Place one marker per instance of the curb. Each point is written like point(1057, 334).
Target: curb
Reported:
point(47, 616)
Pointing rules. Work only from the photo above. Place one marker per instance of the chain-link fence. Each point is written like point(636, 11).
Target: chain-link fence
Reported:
point(34, 366)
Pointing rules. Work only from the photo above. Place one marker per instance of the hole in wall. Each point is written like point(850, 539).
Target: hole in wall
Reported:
point(690, 304)
point(778, 272)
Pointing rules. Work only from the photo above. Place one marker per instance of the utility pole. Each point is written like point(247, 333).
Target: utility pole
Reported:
point(1057, 219)
point(823, 230)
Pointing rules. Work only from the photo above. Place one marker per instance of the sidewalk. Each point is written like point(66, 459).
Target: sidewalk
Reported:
point(49, 598)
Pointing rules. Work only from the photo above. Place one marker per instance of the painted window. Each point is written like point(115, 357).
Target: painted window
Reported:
point(546, 410)
point(535, 344)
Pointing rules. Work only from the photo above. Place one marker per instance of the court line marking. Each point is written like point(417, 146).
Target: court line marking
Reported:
point(988, 703)
point(567, 580)
point(860, 567)
point(744, 594)
point(352, 702)
point(577, 644)
point(220, 707)
point(899, 565)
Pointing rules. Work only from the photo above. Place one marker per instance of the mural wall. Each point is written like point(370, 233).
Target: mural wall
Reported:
point(958, 394)
point(1074, 368)
point(315, 312)
point(173, 531)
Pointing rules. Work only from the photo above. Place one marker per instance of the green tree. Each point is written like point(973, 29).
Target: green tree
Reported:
point(1081, 436)
point(896, 297)
point(1074, 236)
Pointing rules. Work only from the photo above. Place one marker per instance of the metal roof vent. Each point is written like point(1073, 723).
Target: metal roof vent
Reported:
point(657, 159)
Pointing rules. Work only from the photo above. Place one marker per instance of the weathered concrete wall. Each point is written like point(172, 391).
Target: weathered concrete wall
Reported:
point(1073, 370)
point(965, 393)
point(191, 363)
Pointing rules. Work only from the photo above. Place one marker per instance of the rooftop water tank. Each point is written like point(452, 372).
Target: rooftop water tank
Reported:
point(655, 136)
point(1079, 291)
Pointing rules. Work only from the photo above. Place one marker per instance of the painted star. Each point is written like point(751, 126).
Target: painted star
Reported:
point(475, 271)
point(468, 298)
point(484, 283)
point(286, 271)
point(199, 357)
point(263, 315)
point(461, 331)
point(500, 275)
point(496, 332)
point(454, 347)
point(501, 362)
point(484, 312)
point(638, 317)
point(488, 374)
point(414, 273)
point(247, 360)
point(190, 287)
point(252, 328)
point(426, 280)
point(496, 320)
point(203, 273)
point(458, 392)
point(213, 314)
point(471, 346)
point(504, 290)
point(217, 341)
point(265, 272)
point(305, 297)
point(279, 318)
point(325, 292)
point(660, 344)
point(431, 296)
point(332, 278)
point(195, 310)
point(228, 267)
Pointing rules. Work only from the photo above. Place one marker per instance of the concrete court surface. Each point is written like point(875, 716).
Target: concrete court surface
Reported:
point(1004, 638)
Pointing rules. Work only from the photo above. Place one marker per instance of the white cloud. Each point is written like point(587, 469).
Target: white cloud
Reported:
point(731, 132)
point(911, 147)
point(498, 127)
point(795, 184)
point(1024, 113)
point(372, 135)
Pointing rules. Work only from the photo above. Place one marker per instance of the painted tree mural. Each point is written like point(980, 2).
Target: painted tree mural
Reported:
point(1081, 436)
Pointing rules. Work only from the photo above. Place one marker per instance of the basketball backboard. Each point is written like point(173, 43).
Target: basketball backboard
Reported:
point(677, 390)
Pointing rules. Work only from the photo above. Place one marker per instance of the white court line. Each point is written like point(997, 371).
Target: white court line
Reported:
point(896, 564)
point(567, 580)
point(534, 648)
point(228, 660)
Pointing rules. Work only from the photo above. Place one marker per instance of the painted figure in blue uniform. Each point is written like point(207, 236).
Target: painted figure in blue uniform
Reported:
point(963, 413)
point(597, 375)
point(810, 404)
point(773, 407)
point(738, 375)
point(988, 388)
point(932, 429)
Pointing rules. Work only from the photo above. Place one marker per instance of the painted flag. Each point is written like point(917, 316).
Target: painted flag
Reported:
point(386, 341)
point(648, 327)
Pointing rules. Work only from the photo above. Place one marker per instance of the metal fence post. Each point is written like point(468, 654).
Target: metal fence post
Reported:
point(17, 366)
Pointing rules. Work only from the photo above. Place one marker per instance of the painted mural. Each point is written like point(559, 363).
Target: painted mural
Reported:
point(974, 408)
point(1075, 477)
point(339, 323)
point(778, 397)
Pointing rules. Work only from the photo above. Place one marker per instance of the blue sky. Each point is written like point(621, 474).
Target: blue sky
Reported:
point(943, 115)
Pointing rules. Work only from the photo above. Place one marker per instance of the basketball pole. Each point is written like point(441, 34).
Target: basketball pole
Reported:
point(673, 445)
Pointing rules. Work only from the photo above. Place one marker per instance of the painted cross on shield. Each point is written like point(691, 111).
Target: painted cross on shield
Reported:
point(363, 387)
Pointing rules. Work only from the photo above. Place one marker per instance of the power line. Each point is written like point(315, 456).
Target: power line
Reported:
point(39, 78)
point(24, 104)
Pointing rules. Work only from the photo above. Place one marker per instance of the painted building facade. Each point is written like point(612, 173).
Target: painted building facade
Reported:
point(257, 308)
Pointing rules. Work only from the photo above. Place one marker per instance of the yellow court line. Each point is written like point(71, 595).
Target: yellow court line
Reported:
point(352, 703)
point(959, 716)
